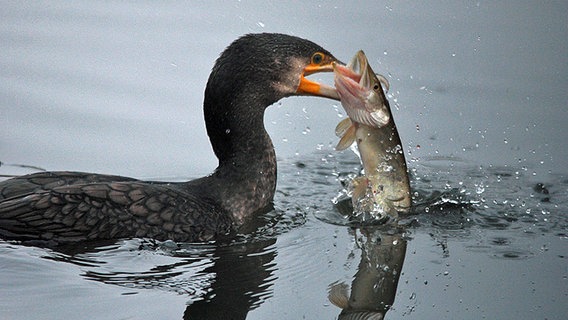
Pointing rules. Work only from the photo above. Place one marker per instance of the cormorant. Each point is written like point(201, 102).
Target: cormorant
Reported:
point(252, 73)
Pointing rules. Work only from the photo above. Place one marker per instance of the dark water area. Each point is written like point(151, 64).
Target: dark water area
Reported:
point(479, 95)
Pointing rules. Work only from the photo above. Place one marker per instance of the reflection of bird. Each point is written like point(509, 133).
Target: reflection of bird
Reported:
point(254, 72)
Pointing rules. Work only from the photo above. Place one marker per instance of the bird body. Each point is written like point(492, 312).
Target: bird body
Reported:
point(73, 206)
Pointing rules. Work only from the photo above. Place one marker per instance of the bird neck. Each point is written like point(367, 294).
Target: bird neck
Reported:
point(246, 175)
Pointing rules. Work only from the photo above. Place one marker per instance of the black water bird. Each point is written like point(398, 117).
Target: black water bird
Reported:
point(254, 72)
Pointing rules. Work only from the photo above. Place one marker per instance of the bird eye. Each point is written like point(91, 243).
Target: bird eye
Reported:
point(317, 58)
point(376, 86)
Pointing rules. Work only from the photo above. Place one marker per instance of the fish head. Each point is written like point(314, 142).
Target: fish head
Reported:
point(361, 92)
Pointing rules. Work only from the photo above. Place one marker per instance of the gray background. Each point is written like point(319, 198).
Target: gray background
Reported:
point(117, 87)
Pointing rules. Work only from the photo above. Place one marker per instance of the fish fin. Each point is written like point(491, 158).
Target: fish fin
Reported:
point(338, 295)
point(347, 137)
point(342, 127)
point(359, 187)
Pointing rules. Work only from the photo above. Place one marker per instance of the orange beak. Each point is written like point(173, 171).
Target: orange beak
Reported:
point(312, 88)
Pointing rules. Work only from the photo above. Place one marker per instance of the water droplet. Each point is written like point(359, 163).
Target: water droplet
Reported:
point(227, 131)
point(260, 24)
point(479, 189)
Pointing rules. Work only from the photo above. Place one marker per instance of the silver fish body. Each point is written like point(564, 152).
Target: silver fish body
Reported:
point(384, 189)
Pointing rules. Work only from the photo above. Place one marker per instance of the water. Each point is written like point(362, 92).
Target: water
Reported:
point(473, 253)
point(478, 92)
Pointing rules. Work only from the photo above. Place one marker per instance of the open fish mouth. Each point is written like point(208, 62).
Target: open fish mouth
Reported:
point(361, 92)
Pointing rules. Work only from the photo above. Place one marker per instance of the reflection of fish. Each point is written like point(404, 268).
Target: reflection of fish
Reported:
point(384, 190)
point(373, 289)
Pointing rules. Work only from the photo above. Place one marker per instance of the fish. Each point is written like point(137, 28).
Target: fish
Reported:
point(383, 191)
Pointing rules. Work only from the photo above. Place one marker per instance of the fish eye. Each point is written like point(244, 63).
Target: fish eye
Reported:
point(317, 58)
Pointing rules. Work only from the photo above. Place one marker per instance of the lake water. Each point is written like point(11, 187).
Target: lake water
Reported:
point(479, 96)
